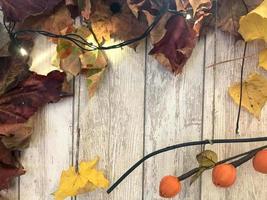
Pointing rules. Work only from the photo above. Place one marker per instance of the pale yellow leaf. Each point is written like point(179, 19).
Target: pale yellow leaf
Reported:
point(254, 25)
point(71, 64)
point(94, 63)
point(254, 93)
point(87, 179)
point(263, 59)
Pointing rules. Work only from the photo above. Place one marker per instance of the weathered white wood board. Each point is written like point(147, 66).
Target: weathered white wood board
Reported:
point(138, 108)
point(172, 116)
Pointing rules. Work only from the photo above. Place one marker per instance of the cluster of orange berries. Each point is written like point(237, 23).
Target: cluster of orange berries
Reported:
point(223, 175)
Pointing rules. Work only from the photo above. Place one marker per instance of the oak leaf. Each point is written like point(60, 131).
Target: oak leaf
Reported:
point(254, 93)
point(87, 179)
point(17, 10)
point(22, 101)
point(254, 25)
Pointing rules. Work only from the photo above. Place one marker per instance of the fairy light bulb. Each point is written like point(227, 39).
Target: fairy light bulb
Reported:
point(23, 51)
point(188, 16)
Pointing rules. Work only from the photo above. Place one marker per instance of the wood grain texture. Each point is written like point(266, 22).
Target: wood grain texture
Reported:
point(111, 123)
point(49, 152)
point(221, 113)
point(173, 115)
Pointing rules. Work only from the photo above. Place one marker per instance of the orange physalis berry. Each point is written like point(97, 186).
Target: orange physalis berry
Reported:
point(260, 161)
point(224, 175)
point(169, 186)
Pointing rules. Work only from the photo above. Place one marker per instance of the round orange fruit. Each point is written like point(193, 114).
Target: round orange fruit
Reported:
point(260, 161)
point(224, 175)
point(169, 186)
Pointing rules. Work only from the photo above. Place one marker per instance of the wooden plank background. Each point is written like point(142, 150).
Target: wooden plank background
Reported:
point(138, 108)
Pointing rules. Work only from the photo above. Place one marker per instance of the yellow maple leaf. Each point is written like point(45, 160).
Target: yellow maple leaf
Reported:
point(254, 93)
point(254, 25)
point(87, 179)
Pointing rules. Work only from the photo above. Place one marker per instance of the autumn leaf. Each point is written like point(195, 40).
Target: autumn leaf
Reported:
point(21, 102)
point(17, 10)
point(263, 59)
point(9, 167)
point(68, 53)
point(206, 160)
point(71, 63)
point(254, 93)
point(174, 37)
point(94, 64)
point(176, 46)
point(16, 136)
point(12, 70)
point(114, 19)
point(87, 179)
point(54, 23)
point(254, 25)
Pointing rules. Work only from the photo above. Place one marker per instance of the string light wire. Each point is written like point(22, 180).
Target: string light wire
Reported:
point(83, 43)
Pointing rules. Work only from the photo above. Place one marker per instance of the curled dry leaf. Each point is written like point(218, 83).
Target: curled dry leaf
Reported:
point(177, 44)
point(174, 37)
point(254, 93)
point(12, 71)
point(87, 179)
point(68, 53)
point(17, 10)
point(9, 167)
point(73, 60)
point(22, 101)
point(54, 23)
point(16, 136)
point(206, 160)
point(114, 19)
